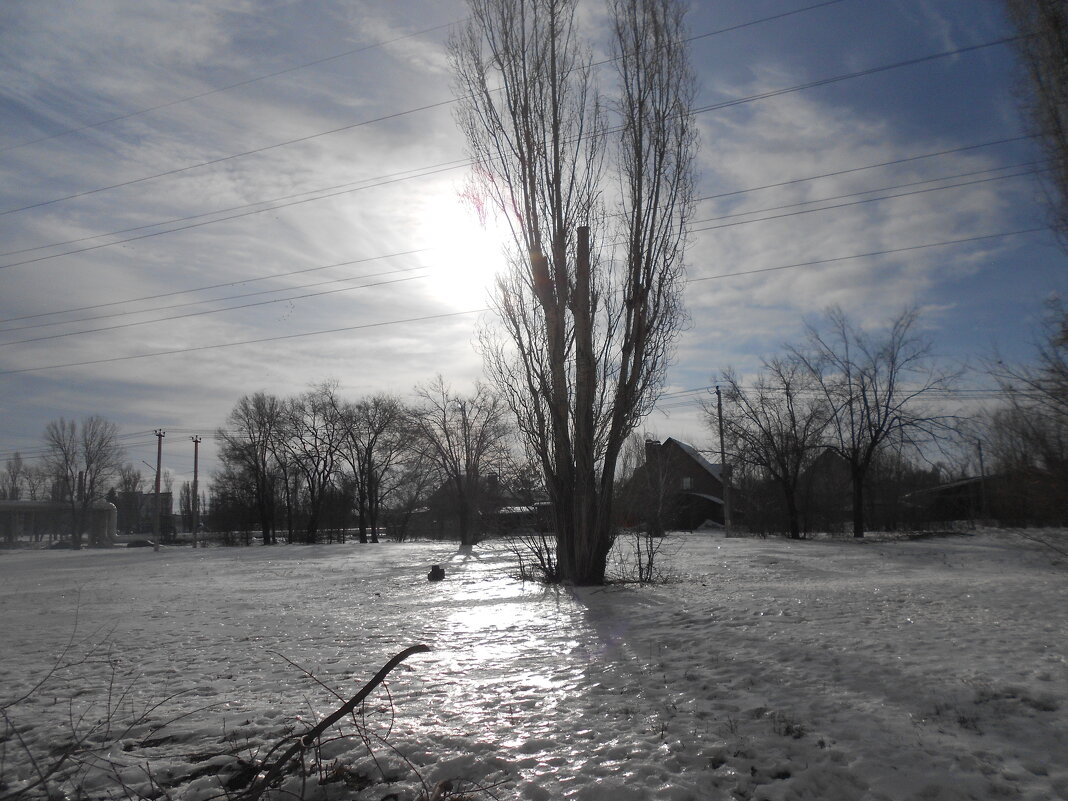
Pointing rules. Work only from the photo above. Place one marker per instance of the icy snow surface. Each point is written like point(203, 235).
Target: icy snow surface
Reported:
point(930, 669)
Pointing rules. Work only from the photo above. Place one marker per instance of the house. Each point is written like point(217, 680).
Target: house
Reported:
point(494, 509)
point(676, 488)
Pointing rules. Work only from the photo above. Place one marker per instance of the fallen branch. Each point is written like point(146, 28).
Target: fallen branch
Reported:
point(307, 740)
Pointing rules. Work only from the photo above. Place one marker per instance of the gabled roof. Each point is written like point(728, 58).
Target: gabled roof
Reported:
point(713, 469)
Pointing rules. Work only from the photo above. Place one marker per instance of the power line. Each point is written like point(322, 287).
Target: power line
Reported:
point(886, 252)
point(353, 51)
point(700, 110)
point(334, 281)
point(214, 286)
point(217, 300)
point(676, 399)
point(420, 172)
point(424, 174)
point(866, 167)
point(879, 189)
point(452, 165)
point(481, 310)
point(207, 311)
point(245, 342)
point(231, 217)
point(365, 183)
point(222, 159)
point(858, 74)
point(226, 88)
point(851, 203)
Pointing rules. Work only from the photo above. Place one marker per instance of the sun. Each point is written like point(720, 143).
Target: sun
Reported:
point(464, 254)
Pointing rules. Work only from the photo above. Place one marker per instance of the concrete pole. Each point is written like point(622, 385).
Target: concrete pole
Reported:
point(196, 487)
point(983, 513)
point(160, 434)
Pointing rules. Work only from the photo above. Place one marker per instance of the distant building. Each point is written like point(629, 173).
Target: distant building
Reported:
point(496, 511)
point(676, 488)
point(34, 521)
point(137, 511)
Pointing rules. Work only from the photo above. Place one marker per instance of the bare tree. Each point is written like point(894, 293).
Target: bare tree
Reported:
point(1042, 26)
point(875, 388)
point(775, 427)
point(35, 478)
point(14, 474)
point(129, 478)
point(311, 438)
point(463, 435)
point(86, 458)
point(372, 444)
point(1043, 384)
point(588, 314)
point(412, 485)
point(1028, 433)
point(253, 429)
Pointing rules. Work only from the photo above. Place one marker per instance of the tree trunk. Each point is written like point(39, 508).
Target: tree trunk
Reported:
point(791, 513)
point(858, 504)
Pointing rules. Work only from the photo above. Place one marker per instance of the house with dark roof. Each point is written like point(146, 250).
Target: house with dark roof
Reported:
point(495, 510)
point(676, 488)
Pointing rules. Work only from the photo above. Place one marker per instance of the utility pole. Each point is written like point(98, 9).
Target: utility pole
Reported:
point(196, 490)
point(725, 470)
point(160, 434)
point(982, 482)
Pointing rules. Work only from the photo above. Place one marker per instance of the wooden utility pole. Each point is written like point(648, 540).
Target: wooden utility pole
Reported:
point(160, 434)
point(724, 470)
point(196, 490)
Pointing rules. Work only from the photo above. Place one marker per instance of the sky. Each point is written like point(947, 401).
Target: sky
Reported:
point(202, 200)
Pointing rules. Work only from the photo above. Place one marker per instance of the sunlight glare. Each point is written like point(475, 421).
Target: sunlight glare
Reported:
point(467, 253)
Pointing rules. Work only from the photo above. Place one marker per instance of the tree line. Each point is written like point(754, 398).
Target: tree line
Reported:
point(848, 426)
point(314, 463)
point(306, 467)
point(867, 426)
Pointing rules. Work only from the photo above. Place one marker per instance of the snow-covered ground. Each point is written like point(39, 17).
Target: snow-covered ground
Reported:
point(930, 669)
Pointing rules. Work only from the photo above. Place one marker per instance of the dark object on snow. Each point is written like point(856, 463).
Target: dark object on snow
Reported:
point(140, 544)
point(437, 573)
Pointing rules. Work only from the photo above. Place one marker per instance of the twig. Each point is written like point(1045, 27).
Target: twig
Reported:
point(307, 740)
point(309, 674)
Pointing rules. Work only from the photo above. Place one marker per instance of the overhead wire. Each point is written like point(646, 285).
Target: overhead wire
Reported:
point(699, 110)
point(204, 312)
point(222, 219)
point(258, 341)
point(446, 315)
point(851, 203)
point(249, 280)
point(891, 163)
point(697, 37)
point(229, 157)
point(371, 183)
point(227, 87)
point(745, 213)
point(972, 173)
point(706, 108)
point(334, 281)
point(869, 254)
point(224, 299)
point(366, 183)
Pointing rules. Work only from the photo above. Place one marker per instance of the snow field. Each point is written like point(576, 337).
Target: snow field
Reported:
point(771, 670)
